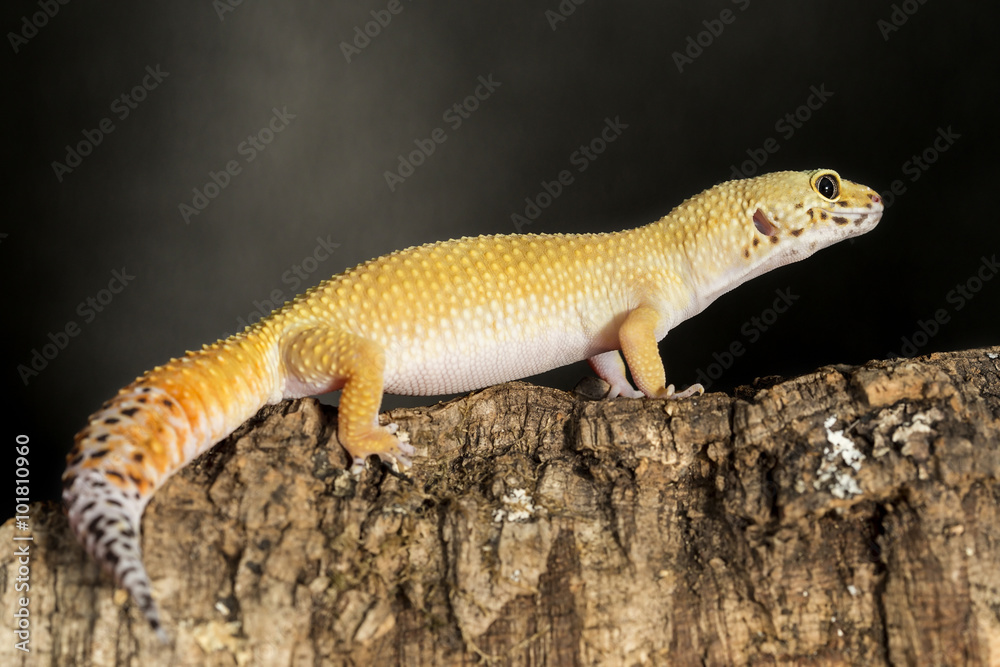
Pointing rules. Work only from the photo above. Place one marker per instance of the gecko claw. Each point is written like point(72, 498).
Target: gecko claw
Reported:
point(669, 392)
point(695, 389)
point(357, 465)
point(388, 443)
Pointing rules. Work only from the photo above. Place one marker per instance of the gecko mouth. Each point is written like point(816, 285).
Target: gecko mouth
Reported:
point(859, 217)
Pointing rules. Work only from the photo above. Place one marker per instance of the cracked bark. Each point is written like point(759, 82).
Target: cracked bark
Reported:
point(540, 527)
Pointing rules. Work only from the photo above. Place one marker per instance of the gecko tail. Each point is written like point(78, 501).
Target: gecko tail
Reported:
point(151, 429)
point(128, 449)
point(105, 519)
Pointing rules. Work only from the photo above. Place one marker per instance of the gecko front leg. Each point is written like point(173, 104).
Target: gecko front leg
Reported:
point(637, 337)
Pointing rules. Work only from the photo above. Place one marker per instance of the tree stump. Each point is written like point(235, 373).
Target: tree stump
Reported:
point(848, 516)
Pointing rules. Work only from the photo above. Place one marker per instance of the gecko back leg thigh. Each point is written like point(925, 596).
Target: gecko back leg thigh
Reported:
point(327, 358)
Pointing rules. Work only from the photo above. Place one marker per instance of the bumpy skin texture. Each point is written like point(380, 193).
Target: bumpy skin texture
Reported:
point(444, 318)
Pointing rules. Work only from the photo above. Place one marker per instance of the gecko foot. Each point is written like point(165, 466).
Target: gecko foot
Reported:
point(387, 442)
point(687, 393)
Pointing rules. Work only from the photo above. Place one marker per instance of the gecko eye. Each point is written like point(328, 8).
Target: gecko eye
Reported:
point(827, 187)
point(827, 184)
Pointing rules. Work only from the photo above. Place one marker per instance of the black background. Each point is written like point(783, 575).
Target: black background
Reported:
point(893, 88)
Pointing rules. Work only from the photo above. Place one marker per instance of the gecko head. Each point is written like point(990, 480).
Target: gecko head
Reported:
point(790, 215)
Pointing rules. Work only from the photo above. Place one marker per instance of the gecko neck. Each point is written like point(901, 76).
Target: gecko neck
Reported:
point(686, 278)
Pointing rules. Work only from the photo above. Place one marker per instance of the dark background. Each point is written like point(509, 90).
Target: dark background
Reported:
point(323, 175)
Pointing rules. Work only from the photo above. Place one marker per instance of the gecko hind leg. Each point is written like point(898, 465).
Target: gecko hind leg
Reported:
point(324, 357)
point(610, 368)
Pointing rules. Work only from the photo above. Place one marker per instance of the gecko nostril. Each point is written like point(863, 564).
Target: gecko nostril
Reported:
point(875, 198)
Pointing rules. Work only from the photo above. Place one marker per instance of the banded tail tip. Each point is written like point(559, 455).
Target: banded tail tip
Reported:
point(105, 520)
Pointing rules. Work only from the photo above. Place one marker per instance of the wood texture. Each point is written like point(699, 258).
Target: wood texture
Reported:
point(539, 527)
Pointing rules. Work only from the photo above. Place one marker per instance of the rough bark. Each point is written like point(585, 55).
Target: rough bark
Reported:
point(848, 516)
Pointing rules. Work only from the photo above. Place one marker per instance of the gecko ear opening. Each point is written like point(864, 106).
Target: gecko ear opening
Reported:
point(762, 224)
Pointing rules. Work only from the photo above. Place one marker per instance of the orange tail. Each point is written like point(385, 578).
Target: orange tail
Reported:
point(152, 428)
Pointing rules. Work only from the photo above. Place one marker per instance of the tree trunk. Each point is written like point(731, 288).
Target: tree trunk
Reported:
point(849, 516)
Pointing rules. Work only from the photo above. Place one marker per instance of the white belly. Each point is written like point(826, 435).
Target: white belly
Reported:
point(445, 366)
